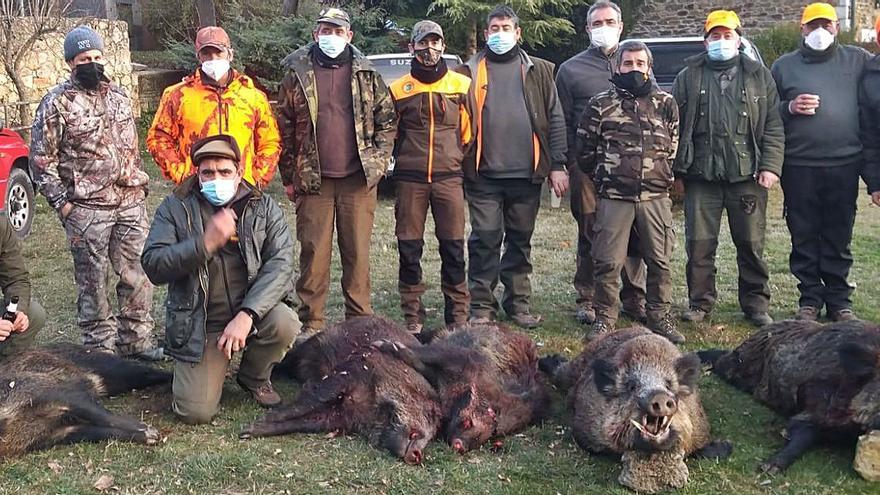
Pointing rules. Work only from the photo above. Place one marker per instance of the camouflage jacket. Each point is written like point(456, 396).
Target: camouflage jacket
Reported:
point(84, 148)
point(374, 117)
point(627, 144)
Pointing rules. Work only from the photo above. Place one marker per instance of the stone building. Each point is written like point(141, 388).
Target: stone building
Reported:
point(44, 65)
point(686, 17)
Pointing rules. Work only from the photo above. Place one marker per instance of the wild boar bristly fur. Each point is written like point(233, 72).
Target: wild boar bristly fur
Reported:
point(351, 387)
point(49, 396)
point(825, 378)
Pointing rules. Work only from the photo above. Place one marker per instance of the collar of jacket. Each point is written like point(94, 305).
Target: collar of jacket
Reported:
point(191, 185)
point(102, 88)
point(595, 51)
point(812, 56)
point(195, 79)
point(697, 61)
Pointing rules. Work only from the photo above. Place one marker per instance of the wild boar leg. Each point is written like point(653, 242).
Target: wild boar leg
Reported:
point(92, 433)
point(718, 449)
point(431, 360)
point(82, 409)
point(323, 417)
point(802, 436)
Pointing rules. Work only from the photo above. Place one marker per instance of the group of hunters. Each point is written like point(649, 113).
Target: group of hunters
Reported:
point(485, 136)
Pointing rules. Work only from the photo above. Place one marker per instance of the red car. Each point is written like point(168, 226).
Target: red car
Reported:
point(16, 188)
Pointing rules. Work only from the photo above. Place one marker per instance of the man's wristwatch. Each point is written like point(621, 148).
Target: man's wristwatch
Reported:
point(250, 313)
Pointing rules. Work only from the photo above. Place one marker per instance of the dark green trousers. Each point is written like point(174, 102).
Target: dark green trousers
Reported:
point(746, 206)
point(502, 211)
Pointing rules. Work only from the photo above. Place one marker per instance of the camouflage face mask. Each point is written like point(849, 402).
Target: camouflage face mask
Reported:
point(428, 56)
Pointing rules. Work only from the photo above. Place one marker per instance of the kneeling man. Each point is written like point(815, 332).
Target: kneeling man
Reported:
point(226, 253)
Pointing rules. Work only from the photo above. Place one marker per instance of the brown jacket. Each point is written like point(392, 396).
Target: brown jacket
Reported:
point(434, 129)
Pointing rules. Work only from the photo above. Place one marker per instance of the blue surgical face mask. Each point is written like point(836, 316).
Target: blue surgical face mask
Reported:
point(332, 45)
point(501, 42)
point(218, 192)
point(722, 50)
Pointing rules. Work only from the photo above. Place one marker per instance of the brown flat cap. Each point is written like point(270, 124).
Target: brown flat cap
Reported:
point(219, 146)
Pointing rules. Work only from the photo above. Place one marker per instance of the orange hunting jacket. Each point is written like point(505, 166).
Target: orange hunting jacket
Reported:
point(195, 109)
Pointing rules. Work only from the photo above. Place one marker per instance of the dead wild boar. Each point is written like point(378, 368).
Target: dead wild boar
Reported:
point(367, 392)
point(487, 378)
point(49, 396)
point(824, 378)
point(317, 356)
point(633, 393)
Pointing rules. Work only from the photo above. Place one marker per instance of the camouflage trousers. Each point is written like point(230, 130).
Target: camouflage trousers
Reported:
point(99, 238)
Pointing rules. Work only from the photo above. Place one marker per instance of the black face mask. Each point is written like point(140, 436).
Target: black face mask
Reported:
point(635, 82)
point(89, 75)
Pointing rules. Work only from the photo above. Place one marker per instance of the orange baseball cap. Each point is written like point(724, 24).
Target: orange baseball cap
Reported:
point(818, 10)
point(722, 18)
point(212, 36)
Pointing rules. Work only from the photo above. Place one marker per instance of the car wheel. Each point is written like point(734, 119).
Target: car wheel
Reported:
point(20, 202)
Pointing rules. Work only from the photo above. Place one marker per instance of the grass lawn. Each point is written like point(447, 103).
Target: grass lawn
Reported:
point(543, 459)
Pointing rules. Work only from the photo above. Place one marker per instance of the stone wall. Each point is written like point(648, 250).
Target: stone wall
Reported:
point(44, 66)
point(687, 17)
point(151, 84)
point(866, 13)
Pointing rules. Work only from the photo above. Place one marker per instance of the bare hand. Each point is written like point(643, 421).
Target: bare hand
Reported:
point(235, 334)
point(220, 229)
point(21, 323)
point(291, 192)
point(65, 210)
point(767, 179)
point(5, 329)
point(805, 104)
point(875, 197)
point(559, 182)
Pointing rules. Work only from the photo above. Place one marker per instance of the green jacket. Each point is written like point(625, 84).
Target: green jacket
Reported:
point(762, 108)
point(14, 276)
point(374, 118)
point(175, 254)
point(545, 108)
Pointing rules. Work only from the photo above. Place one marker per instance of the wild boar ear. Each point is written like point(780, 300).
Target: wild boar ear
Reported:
point(605, 376)
point(859, 360)
point(687, 368)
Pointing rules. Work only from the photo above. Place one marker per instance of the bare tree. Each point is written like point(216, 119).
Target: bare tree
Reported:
point(23, 23)
point(289, 7)
point(207, 13)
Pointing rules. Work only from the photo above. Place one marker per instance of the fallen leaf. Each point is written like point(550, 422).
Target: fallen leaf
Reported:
point(276, 452)
point(55, 467)
point(104, 483)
